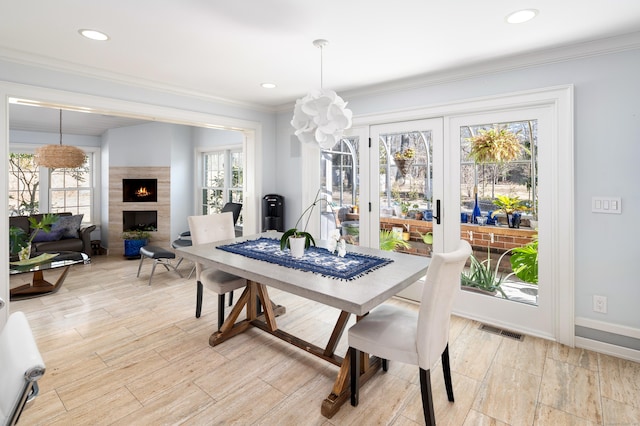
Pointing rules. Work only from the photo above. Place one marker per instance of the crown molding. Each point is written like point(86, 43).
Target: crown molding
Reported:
point(563, 53)
point(81, 70)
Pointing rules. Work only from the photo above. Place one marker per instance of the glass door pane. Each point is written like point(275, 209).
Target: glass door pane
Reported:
point(339, 171)
point(406, 181)
point(405, 190)
point(499, 208)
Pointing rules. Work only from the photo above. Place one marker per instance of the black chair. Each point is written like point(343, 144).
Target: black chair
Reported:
point(234, 208)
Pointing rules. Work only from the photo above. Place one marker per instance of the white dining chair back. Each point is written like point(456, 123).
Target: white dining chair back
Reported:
point(441, 284)
point(394, 333)
point(210, 229)
point(21, 366)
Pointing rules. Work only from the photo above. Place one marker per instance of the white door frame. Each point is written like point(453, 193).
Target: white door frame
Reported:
point(559, 101)
point(537, 320)
point(110, 106)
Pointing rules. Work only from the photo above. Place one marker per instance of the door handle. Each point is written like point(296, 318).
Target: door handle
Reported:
point(1, 303)
point(437, 216)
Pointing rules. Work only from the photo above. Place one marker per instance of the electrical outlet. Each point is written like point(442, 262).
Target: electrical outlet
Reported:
point(600, 304)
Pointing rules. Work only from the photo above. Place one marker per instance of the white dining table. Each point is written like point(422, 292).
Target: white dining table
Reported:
point(357, 296)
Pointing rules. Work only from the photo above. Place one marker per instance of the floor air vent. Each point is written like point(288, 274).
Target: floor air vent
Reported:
point(501, 332)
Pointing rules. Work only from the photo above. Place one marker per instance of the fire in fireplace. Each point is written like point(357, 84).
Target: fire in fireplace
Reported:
point(139, 190)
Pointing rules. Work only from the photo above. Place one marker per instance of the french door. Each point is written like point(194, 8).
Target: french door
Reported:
point(401, 168)
point(405, 177)
point(521, 302)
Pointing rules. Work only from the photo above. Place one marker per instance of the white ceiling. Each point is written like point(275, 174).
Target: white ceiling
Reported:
point(224, 49)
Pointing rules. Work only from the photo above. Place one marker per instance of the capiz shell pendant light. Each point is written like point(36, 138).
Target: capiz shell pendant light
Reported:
point(60, 156)
point(321, 116)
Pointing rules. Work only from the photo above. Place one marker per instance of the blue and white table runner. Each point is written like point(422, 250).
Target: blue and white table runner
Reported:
point(317, 260)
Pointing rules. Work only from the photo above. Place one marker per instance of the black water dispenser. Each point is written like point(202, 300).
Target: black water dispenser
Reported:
point(273, 213)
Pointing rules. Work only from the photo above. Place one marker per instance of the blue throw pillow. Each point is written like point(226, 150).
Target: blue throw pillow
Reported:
point(68, 226)
point(42, 236)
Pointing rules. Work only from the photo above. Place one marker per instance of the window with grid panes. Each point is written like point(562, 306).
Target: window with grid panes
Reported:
point(222, 180)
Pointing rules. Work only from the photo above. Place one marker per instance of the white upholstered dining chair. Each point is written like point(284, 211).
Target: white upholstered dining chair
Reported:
point(21, 366)
point(417, 338)
point(208, 229)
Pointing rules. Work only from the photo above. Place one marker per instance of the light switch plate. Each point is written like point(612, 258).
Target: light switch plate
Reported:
point(611, 205)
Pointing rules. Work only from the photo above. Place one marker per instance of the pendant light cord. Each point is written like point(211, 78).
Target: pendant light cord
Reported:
point(60, 127)
point(321, 68)
point(320, 44)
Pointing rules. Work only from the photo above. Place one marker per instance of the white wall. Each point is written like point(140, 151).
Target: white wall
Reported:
point(41, 138)
point(211, 138)
point(607, 154)
point(146, 145)
point(182, 170)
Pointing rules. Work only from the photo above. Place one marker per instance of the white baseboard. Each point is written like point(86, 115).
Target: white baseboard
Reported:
point(621, 330)
point(607, 349)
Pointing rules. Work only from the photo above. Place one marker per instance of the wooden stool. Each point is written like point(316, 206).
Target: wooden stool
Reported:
point(159, 255)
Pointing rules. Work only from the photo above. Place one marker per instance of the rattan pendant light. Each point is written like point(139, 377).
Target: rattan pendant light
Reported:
point(60, 156)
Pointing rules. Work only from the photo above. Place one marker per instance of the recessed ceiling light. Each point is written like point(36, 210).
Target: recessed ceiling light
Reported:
point(94, 35)
point(268, 85)
point(521, 16)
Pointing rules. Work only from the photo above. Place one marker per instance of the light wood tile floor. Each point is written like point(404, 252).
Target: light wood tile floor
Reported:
point(120, 352)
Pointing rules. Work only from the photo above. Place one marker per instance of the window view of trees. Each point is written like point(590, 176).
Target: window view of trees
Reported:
point(498, 186)
point(405, 172)
point(339, 172)
point(69, 190)
point(24, 183)
point(222, 180)
point(515, 178)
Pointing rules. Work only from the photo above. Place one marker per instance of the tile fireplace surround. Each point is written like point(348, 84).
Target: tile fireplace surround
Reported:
point(116, 206)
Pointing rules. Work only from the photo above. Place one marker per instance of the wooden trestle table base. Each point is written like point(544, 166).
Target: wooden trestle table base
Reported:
point(357, 297)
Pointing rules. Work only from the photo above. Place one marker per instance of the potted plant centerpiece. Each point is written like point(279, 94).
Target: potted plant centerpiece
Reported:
point(19, 243)
point(133, 241)
point(298, 241)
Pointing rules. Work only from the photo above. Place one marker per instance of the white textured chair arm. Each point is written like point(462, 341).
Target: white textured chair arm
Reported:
point(21, 365)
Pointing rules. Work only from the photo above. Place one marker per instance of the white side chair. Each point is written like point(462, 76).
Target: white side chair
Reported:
point(208, 229)
point(394, 333)
point(21, 366)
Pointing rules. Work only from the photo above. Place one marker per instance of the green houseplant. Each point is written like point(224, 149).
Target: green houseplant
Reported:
point(404, 159)
point(17, 239)
point(133, 241)
point(20, 244)
point(390, 241)
point(482, 277)
point(524, 262)
point(508, 206)
point(495, 146)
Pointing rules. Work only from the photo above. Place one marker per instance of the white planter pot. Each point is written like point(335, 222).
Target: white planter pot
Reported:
point(296, 245)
